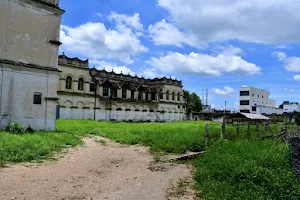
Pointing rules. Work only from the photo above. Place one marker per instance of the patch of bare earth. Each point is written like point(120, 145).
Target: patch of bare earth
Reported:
point(97, 171)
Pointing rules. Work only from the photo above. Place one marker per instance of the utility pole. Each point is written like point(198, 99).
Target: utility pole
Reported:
point(225, 107)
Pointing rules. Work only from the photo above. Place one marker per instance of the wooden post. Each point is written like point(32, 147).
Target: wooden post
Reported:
point(223, 133)
point(206, 135)
point(238, 128)
point(257, 128)
point(266, 128)
point(249, 130)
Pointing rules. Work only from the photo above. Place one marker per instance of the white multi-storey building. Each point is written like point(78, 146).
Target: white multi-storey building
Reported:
point(257, 101)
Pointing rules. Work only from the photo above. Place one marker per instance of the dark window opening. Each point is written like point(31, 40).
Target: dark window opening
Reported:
point(161, 95)
point(167, 95)
point(69, 83)
point(132, 94)
point(254, 109)
point(245, 111)
point(140, 96)
point(37, 98)
point(105, 91)
point(80, 84)
point(153, 95)
point(147, 96)
point(244, 93)
point(124, 93)
point(92, 87)
point(114, 92)
point(178, 97)
point(173, 96)
point(244, 103)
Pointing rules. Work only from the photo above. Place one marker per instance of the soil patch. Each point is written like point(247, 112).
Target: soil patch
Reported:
point(104, 170)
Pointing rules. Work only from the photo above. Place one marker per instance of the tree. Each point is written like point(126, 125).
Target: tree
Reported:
point(195, 102)
point(298, 119)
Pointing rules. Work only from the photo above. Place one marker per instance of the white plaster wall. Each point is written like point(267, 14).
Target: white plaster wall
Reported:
point(75, 113)
point(291, 108)
point(26, 27)
point(18, 85)
point(268, 110)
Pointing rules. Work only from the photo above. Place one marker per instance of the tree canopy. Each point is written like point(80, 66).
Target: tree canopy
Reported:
point(194, 103)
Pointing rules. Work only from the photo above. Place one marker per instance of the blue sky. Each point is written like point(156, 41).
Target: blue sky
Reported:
point(219, 45)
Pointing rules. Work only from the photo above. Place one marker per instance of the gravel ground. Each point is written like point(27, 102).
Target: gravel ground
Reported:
point(95, 171)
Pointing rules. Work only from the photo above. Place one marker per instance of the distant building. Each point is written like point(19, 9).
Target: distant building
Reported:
point(291, 107)
point(86, 93)
point(257, 101)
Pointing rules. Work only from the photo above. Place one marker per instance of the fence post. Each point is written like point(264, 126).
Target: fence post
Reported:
point(223, 133)
point(206, 135)
point(257, 128)
point(249, 130)
point(238, 128)
point(266, 128)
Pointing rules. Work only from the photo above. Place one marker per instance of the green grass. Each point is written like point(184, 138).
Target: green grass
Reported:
point(175, 137)
point(28, 147)
point(244, 167)
point(258, 169)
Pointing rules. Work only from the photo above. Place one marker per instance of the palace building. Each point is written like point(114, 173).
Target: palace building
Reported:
point(29, 34)
point(86, 93)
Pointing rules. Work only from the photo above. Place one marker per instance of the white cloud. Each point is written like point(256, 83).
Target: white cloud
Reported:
point(227, 91)
point(288, 90)
point(95, 41)
point(131, 21)
point(164, 33)
point(226, 61)
point(219, 20)
point(100, 65)
point(297, 78)
point(291, 64)
point(99, 14)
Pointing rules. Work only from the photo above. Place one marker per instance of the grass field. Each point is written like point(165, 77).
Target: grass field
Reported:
point(27, 147)
point(175, 137)
point(258, 169)
point(240, 167)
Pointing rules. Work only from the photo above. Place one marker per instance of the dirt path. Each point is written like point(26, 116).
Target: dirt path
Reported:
point(94, 171)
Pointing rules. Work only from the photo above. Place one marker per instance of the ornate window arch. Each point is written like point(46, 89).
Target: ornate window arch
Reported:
point(168, 95)
point(178, 96)
point(173, 96)
point(80, 84)
point(69, 82)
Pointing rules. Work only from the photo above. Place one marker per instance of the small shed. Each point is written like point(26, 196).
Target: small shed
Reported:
point(247, 117)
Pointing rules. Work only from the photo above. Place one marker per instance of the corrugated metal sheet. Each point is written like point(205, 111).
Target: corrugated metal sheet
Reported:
point(250, 116)
point(255, 116)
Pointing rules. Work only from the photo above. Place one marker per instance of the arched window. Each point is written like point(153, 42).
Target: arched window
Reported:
point(69, 82)
point(161, 95)
point(173, 96)
point(178, 96)
point(105, 91)
point(140, 95)
point(167, 95)
point(124, 93)
point(80, 84)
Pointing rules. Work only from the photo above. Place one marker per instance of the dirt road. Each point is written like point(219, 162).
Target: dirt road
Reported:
point(94, 171)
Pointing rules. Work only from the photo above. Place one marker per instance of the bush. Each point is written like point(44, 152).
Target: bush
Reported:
point(15, 127)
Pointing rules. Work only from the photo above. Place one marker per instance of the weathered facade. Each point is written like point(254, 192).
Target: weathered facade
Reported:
point(29, 33)
point(90, 93)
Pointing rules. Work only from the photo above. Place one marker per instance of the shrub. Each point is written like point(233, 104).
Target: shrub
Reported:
point(15, 127)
